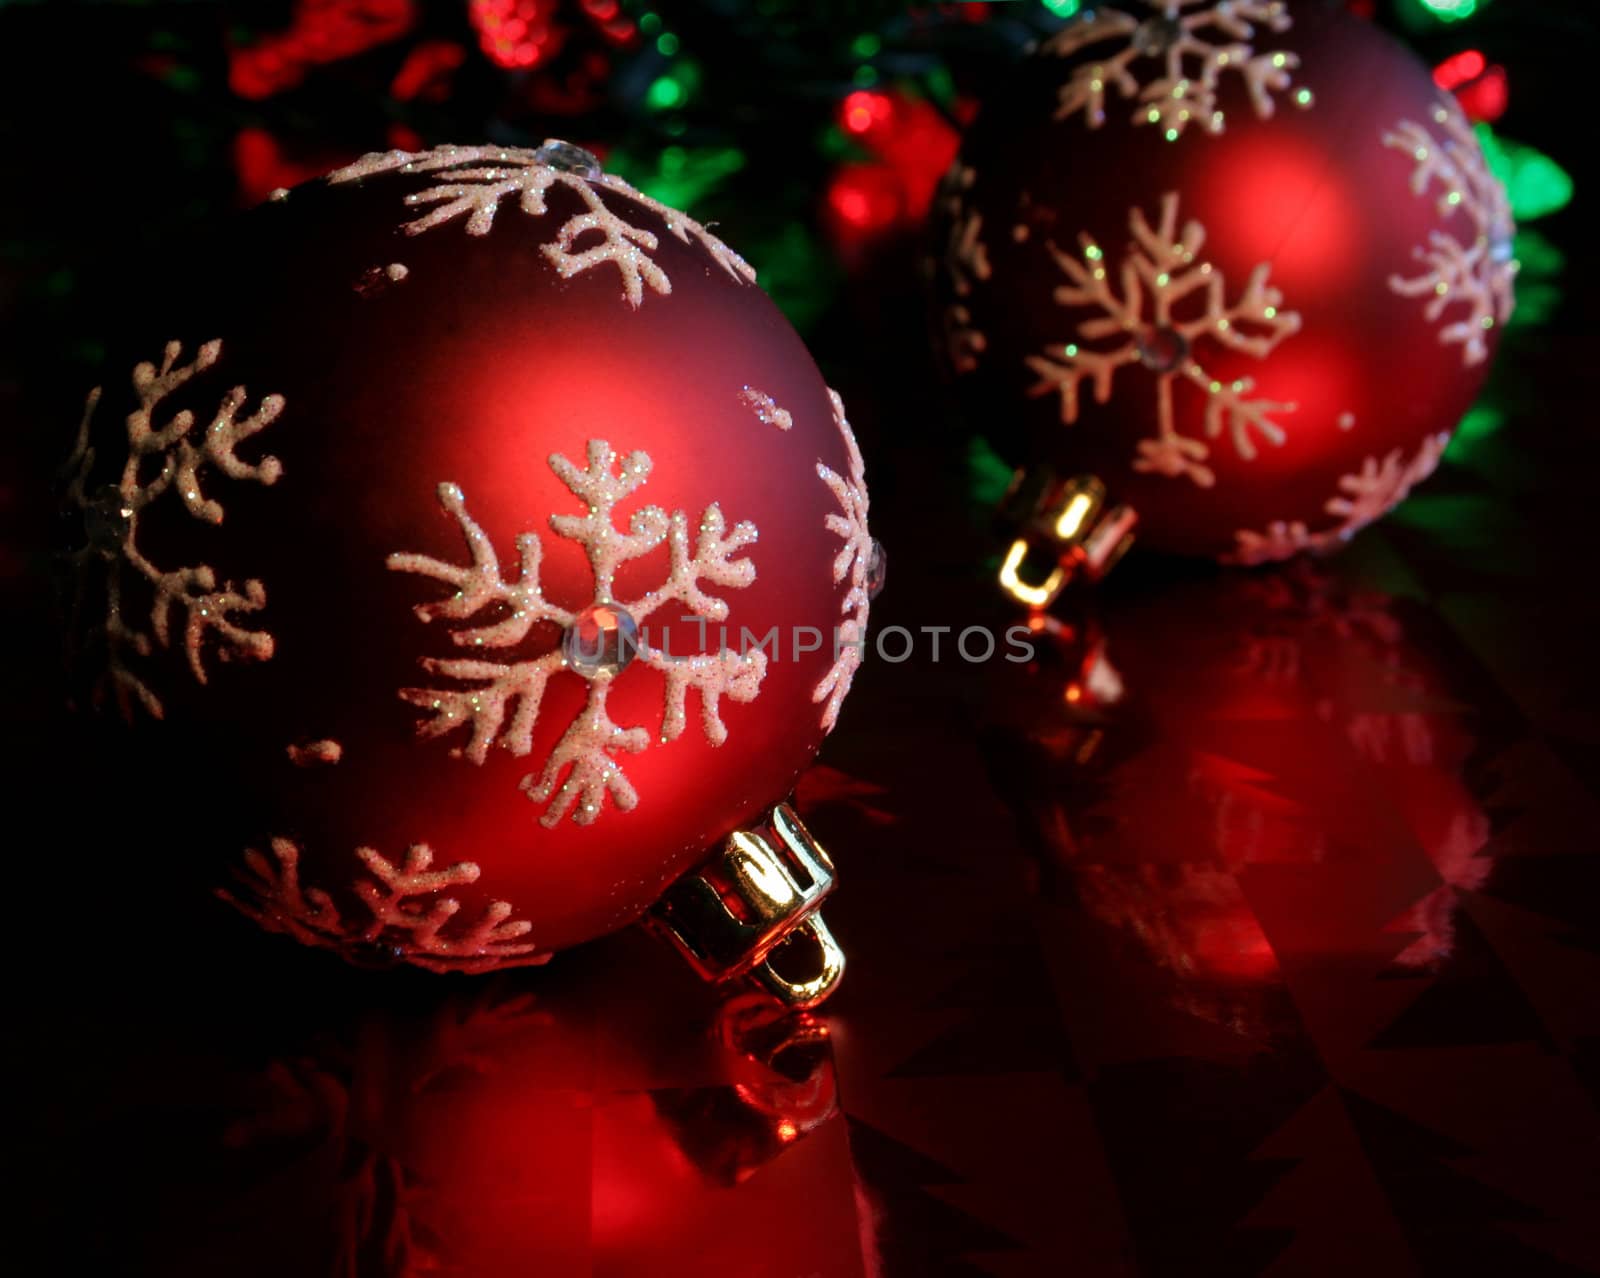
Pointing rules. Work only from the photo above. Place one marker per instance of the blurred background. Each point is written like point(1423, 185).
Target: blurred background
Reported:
point(1092, 1024)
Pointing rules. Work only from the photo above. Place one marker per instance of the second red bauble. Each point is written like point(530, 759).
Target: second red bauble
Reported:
point(1240, 260)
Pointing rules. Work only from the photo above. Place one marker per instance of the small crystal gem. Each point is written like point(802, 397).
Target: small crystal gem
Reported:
point(556, 154)
point(1155, 36)
point(1162, 350)
point(602, 639)
point(877, 569)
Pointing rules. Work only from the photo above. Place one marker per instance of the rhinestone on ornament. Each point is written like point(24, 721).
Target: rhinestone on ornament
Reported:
point(553, 153)
point(1154, 36)
point(107, 517)
point(877, 569)
point(603, 639)
point(1163, 350)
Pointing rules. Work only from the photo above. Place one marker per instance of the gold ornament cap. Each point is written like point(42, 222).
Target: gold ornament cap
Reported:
point(752, 911)
point(1065, 529)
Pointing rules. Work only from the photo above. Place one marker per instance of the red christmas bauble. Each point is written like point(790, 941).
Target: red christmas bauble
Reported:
point(493, 528)
point(1239, 259)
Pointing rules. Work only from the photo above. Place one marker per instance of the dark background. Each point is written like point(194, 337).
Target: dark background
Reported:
point(1288, 964)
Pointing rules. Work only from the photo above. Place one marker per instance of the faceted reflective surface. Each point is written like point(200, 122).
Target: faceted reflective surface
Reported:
point(1248, 930)
point(602, 639)
point(877, 569)
point(568, 158)
point(1163, 350)
point(1154, 36)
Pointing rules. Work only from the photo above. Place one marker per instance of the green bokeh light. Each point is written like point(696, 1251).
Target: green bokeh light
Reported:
point(667, 92)
point(1537, 185)
point(1450, 10)
point(988, 475)
point(680, 176)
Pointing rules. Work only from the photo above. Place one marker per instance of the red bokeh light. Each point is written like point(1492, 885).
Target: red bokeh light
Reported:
point(862, 111)
point(914, 146)
point(1487, 97)
point(516, 34)
point(1484, 91)
point(426, 72)
point(1459, 68)
point(321, 31)
point(261, 165)
point(866, 197)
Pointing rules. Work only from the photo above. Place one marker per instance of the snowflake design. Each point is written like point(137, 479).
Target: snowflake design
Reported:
point(766, 408)
point(312, 754)
point(966, 255)
point(1374, 490)
point(963, 342)
point(1479, 275)
point(170, 456)
point(416, 931)
point(1197, 42)
point(1161, 268)
point(966, 259)
point(853, 562)
point(501, 705)
point(473, 180)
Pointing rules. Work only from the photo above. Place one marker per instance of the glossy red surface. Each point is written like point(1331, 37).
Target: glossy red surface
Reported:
point(474, 369)
point(1316, 196)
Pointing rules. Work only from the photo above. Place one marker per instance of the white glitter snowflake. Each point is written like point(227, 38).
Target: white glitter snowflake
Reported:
point(1374, 490)
point(502, 699)
point(1195, 43)
point(766, 408)
point(473, 180)
point(406, 913)
point(172, 455)
point(852, 563)
point(1478, 275)
point(1143, 313)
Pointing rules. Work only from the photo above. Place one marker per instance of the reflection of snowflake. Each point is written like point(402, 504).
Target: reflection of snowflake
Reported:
point(474, 179)
point(413, 932)
point(853, 561)
point(1377, 488)
point(1177, 35)
point(516, 686)
point(333, 1116)
point(1478, 275)
point(1161, 265)
point(112, 515)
